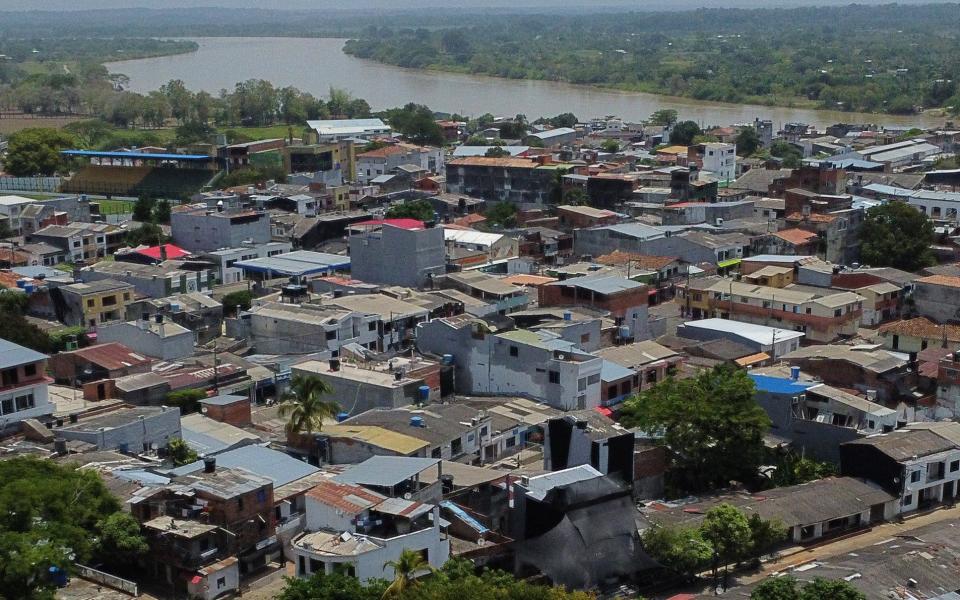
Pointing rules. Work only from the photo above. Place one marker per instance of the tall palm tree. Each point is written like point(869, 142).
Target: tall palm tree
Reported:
point(305, 406)
point(405, 570)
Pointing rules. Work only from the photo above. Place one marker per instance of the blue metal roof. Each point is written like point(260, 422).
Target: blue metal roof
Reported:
point(611, 371)
point(779, 385)
point(135, 155)
point(12, 355)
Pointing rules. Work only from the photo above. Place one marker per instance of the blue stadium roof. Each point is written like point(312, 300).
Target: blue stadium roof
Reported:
point(135, 155)
point(779, 385)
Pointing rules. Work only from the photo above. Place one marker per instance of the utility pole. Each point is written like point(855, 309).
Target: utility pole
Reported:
point(216, 378)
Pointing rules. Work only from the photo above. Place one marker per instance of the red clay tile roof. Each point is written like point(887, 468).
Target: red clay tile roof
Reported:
point(470, 220)
point(922, 327)
point(349, 498)
point(796, 236)
point(944, 280)
point(644, 261)
point(489, 161)
point(9, 279)
point(812, 217)
point(14, 257)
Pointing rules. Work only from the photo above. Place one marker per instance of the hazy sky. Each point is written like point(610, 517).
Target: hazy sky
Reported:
point(59, 5)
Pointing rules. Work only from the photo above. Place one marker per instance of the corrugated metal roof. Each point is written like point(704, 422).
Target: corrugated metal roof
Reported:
point(386, 471)
point(274, 465)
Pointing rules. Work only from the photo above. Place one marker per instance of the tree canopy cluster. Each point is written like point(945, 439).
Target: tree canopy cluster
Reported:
point(711, 425)
point(890, 58)
point(786, 588)
point(55, 515)
point(896, 234)
point(457, 580)
point(725, 536)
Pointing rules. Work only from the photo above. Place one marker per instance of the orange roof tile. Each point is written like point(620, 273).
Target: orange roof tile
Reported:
point(796, 236)
point(944, 280)
point(489, 161)
point(922, 327)
point(812, 217)
point(644, 261)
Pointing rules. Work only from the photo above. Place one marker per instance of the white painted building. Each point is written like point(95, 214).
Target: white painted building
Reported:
point(227, 257)
point(356, 531)
point(23, 389)
point(721, 160)
point(334, 130)
point(939, 206)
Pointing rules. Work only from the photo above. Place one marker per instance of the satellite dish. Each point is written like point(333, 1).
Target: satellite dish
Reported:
point(408, 496)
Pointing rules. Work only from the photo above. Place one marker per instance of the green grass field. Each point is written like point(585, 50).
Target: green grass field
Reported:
point(115, 207)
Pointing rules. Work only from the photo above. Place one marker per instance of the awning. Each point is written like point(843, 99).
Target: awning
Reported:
point(603, 410)
point(729, 263)
point(752, 359)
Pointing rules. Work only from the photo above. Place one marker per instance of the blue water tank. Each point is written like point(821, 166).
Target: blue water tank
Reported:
point(424, 393)
point(342, 416)
point(57, 576)
point(448, 359)
point(21, 283)
point(416, 421)
point(28, 288)
point(567, 315)
point(795, 373)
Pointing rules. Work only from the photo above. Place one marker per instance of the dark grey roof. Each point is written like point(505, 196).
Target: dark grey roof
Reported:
point(903, 445)
point(883, 569)
point(12, 355)
point(386, 471)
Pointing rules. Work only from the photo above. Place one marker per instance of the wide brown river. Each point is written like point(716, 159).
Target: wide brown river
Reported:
point(316, 64)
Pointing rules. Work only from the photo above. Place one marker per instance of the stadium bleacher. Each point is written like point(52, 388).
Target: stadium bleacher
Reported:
point(163, 175)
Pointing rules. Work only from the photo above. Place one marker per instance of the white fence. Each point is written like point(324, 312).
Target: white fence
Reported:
point(108, 580)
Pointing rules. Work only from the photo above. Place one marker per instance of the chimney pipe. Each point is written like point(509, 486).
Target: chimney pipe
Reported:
point(209, 464)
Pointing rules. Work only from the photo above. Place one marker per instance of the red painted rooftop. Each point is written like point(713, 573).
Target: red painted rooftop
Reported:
point(401, 223)
point(173, 252)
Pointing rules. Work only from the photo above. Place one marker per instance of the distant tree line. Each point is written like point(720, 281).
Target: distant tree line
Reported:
point(890, 58)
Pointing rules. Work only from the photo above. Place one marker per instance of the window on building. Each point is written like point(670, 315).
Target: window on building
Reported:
point(908, 500)
point(435, 453)
point(332, 335)
point(30, 370)
point(6, 406)
point(809, 310)
point(652, 376)
point(838, 312)
point(954, 466)
point(90, 303)
point(25, 402)
point(514, 351)
point(240, 502)
point(585, 338)
point(593, 379)
point(554, 376)
point(582, 384)
point(915, 476)
point(9, 377)
point(221, 583)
